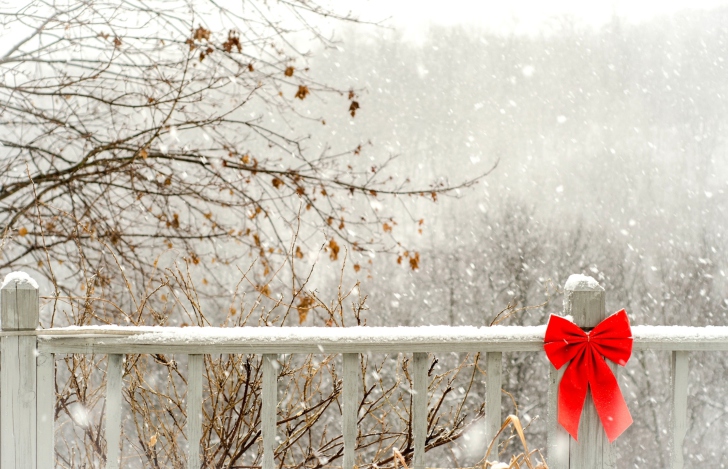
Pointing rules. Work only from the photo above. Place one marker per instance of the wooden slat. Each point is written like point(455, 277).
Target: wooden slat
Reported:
point(558, 438)
point(45, 410)
point(587, 306)
point(609, 450)
point(449, 339)
point(669, 343)
point(104, 345)
point(679, 406)
point(19, 309)
point(493, 412)
point(408, 335)
point(18, 379)
point(419, 407)
point(18, 423)
point(114, 370)
point(195, 367)
point(350, 407)
point(269, 405)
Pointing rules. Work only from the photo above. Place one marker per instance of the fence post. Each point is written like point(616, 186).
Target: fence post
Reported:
point(19, 312)
point(584, 301)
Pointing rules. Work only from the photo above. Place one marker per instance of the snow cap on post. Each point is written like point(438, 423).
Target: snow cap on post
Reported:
point(578, 282)
point(19, 302)
point(584, 300)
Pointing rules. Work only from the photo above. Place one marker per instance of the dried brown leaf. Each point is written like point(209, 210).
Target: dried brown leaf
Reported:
point(302, 92)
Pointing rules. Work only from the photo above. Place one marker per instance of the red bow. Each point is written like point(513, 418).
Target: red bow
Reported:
point(565, 341)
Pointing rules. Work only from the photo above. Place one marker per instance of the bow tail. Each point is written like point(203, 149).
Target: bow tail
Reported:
point(572, 393)
point(608, 399)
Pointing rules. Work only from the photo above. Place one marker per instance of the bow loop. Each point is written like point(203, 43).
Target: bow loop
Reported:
point(613, 337)
point(566, 342)
point(563, 340)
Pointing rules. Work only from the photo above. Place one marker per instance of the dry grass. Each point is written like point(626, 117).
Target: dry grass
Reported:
point(517, 461)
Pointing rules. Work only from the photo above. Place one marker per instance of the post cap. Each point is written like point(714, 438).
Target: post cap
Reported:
point(578, 282)
point(19, 280)
point(19, 302)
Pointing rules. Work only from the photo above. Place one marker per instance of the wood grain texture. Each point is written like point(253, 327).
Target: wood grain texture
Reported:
point(609, 450)
point(350, 407)
point(558, 438)
point(19, 302)
point(679, 419)
point(493, 412)
point(593, 450)
point(124, 340)
point(19, 307)
point(114, 370)
point(269, 406)
point(420, 364)
point(104, 345)
point(45, 410)
point(195, 368)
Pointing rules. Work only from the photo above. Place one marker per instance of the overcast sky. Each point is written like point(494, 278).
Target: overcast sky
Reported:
point(520, 15)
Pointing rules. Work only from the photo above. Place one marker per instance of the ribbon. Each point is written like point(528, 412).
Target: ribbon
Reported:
point(566, 342)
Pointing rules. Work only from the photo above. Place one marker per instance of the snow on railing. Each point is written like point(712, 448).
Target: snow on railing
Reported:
point(27, 374)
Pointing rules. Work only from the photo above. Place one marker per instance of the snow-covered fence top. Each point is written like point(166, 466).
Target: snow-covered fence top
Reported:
point(27, 373)
point(119, 339)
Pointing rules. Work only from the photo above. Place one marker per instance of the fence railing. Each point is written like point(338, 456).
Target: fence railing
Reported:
point(27, 374)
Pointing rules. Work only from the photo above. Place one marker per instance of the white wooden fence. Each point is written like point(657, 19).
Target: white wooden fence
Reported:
point(27, 375)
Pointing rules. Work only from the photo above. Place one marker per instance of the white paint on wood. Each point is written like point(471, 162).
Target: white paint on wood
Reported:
point(350, 408)
point(114, 371)
point(125, 343)
point(593, 450)
point(679, 406)
point(587, 452)
point(360, 335)
point(268, 411)
point(558, 438)
point(95, 345)
point(419, 408)
point(195, 366)
point(493, 414)
point(609, 450)
point(45, 410)
point(693, 344)
point(19, 306)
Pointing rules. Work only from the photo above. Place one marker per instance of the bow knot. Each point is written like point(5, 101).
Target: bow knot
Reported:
point(566, 342)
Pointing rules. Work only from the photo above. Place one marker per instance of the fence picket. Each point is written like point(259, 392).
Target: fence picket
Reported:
point(350, 407)
point(45, 410)
point(19, 309)
point(419, 407)
point(679, 406)
point(493, 385)
point(195, 366)
point(113, 409)
point(557, 437)
point(269, 405)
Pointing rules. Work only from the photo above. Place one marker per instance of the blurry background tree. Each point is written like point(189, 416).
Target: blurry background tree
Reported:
point(137, 133)
point(612, 148)
point(154, 170)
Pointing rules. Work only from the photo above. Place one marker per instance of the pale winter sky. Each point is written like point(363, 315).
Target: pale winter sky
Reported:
point(522, 16)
